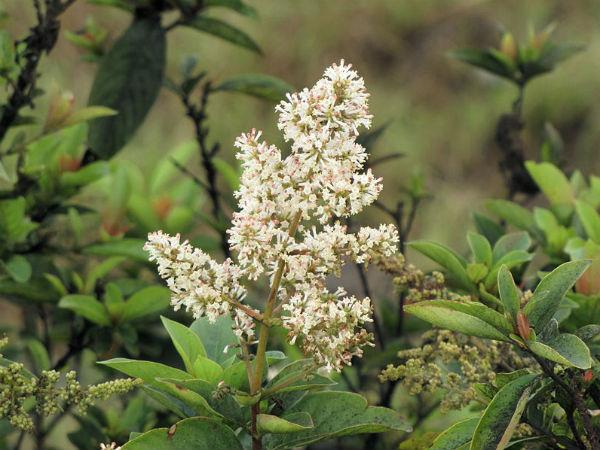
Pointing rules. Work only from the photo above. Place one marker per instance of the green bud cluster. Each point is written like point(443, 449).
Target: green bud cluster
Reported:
point(417, 285)
point(18, 388)
point(453, 363)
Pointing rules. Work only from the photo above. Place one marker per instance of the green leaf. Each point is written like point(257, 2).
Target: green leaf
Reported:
point(236, 376)
point(566, 349)
point(466, 318)
point(488, 60)
point(454, 264)
point(228, 172)
point(39, 354)
point(550, 291)
point(100, 271)
point(224, 31)
point(509, 243)
point(257, 85)
point(85, 176)
point(486, 226)
point(300, 421)
point(481, 248)
point(509, 293)
point(3, 173)
point(18, 268)
point(128, 247)
point(186, 342)
point(236, 5)
point(552, 182)
point(513, 213)
point(208, 370)
point(510, 260)
point(312, 381)
point(458, 434)
point(128, 81)
point(146, 370)
point(146, 302)
point(216, 336)
point(87, 114)
point(587, 333)
point(336, 414)
point(188, 434)
point(590, 219)
point(502, 414)
point(193, 401)
point(86, 306)
point(15, 225)
point(165, 172)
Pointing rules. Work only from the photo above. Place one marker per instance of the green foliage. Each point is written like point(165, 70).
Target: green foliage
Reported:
point(128, 80)
point(205, 389)
point(519, 63)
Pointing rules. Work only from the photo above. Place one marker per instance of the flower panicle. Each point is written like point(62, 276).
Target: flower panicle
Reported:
point(322, 180)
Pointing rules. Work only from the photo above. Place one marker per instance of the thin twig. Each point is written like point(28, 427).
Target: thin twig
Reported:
point(198, 115)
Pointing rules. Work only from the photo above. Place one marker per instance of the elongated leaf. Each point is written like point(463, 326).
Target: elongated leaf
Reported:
point(87, 114)
point(85, 176)
point(487, 227)
point(236, 5)
point(224, 31)
point(513, 213)
point(146, 302)
point(100, 271)
point(458, 434)
point(128, 80)
point(228, 172)
point(548, 294)
point(566, 349)
point(300, 421)
point(257, 85)
point(146, 370)
point(128, 247)
point(292, 371)
point(509, 293)
point(186, 342)
point(18, 268)
point(207, 369)
point(485, 59)
point(196, 432)
point(446, 258)
point(590, 219)
point(86, 306)
point(215, 337)
point(192, 400)
point(481, 248)
point(505, 408)
point(224, 404)
point(519, 241)
point(454, 316)
point(39, 354)
point(552, 182)
point(336, 414)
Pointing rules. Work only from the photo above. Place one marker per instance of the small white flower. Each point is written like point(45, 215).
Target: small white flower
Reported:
point(111, 446)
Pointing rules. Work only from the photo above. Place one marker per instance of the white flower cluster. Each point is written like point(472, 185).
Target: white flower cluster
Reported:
point(323, 178)
point(197, 282)
point(111, 446)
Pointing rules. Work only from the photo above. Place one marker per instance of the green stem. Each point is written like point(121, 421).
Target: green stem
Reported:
point(264, 336)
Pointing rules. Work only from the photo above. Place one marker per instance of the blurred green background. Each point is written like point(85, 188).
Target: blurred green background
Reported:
point(441, 113)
